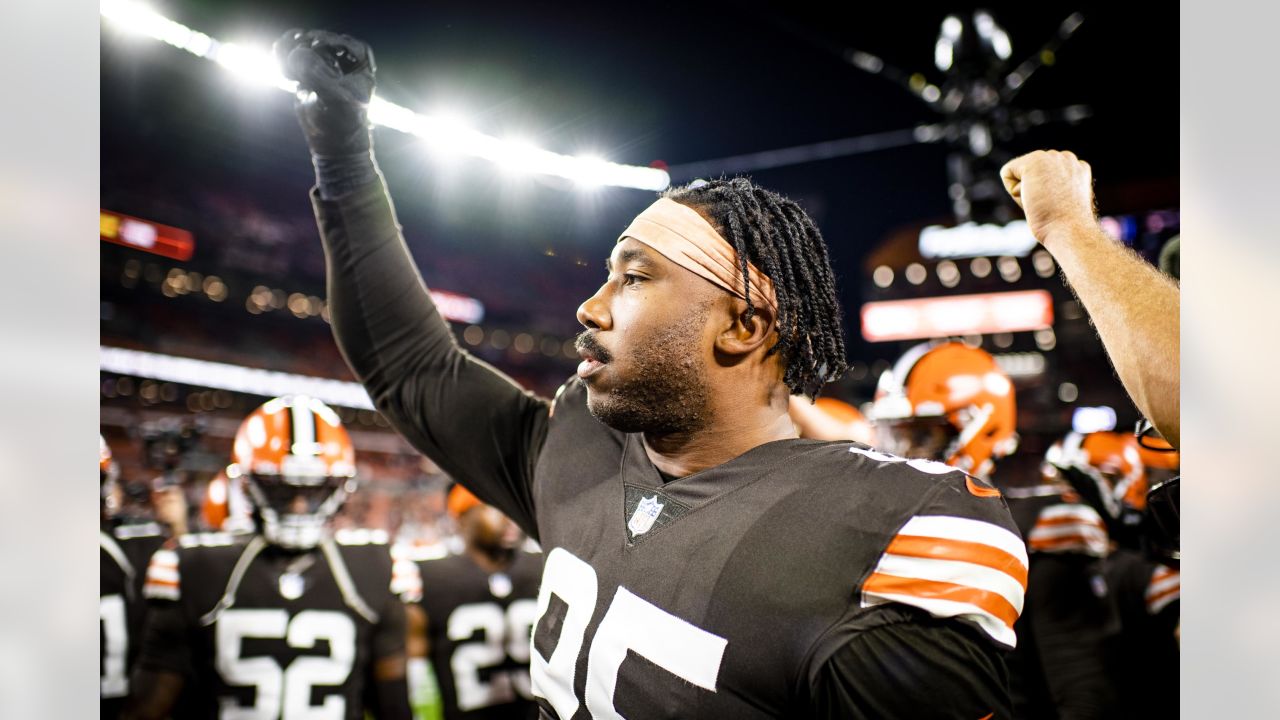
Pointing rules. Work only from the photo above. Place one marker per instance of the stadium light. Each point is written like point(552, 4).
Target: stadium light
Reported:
point(259, 67)
point(224, 376)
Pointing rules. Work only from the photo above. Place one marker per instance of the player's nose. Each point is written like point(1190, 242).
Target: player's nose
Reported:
point(593, 314)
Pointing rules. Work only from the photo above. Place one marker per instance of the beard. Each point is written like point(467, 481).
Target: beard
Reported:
point(665, 390)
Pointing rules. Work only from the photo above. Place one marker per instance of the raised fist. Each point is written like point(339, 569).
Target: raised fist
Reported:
point(1054, 189)
point(335, 83)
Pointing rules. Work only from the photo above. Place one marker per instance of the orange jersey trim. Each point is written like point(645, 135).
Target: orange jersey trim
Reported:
point(992, 603)
point(959, 550)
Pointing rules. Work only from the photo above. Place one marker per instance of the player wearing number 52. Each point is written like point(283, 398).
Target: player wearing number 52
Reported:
point(285, 622)
point(479, 609)
point(701, 560)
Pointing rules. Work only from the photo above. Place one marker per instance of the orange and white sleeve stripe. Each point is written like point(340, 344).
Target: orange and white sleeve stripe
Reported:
point(1164, 588)
point(406, 581)
point(954, 567)
point(1069, 528)
point(162, 576)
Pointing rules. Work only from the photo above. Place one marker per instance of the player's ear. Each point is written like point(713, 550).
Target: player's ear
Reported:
point(743, 329)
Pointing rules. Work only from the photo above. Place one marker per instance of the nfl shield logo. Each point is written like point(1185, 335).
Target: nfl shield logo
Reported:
point(646, 513)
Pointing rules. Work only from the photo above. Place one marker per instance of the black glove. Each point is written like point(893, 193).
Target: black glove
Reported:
point(335, 83)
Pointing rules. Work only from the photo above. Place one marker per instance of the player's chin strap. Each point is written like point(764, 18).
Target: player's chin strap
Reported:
point(345, 585)
point(113, 549)
point(228, 598)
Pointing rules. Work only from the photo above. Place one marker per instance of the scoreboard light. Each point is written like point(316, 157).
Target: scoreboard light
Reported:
point(979, 314)
point(458, 308)
point(974, 240)
point(1086, 420)
point(139, 234)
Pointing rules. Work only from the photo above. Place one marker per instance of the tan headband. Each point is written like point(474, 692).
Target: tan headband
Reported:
point(682, 236)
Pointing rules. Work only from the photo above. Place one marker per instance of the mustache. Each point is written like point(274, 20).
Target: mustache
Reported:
point(586, 343)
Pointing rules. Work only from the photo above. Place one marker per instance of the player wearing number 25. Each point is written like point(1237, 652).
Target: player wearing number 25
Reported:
point(479, 612)
point(287, 622)
point(701, 560)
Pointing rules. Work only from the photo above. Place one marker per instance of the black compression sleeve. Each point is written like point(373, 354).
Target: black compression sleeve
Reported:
point(338, 175)
point(476, 423)
point(910, 665)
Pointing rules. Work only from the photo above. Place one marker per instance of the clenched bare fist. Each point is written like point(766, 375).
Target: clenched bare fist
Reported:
point(1054, 189)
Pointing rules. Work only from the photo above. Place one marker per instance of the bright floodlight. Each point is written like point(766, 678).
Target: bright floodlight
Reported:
point(259, 67)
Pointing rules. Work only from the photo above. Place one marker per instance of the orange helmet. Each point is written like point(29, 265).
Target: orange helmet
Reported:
point(857, 427)
point(1116, 455)
point(297, 466)
point(830, 419)
point(1156, 452)
point(947, 402)
point(225, 506)
point(1112, 459)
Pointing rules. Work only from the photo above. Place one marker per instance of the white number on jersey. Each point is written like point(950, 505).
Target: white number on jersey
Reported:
point(285, 694)
point(630, 624)
point(502, 635)
point(115, 646)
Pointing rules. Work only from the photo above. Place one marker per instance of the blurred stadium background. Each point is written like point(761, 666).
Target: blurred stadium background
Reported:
point(212, 276)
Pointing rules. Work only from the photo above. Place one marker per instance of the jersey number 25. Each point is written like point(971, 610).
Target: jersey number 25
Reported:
point(503, 635)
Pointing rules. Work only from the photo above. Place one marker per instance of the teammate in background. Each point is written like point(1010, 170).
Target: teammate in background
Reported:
point(480, 606)
point(1133, 305)
point(953, 403)
point(283, 622)
point(1106, 470)
point(701, 560)
point(947, 402)
point(1142, 656)
point(121, 608)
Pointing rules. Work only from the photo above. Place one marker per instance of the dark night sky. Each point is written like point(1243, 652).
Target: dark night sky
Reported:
point(677, 83)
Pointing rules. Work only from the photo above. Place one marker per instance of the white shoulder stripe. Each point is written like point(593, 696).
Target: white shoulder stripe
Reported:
point(164, 557)
point(954, 571)
point(1071, 510)
point(160, 592)
point(966, 530)
point(1053, 532)
point(1159, 586)
point(164, 574)
point(948, 608)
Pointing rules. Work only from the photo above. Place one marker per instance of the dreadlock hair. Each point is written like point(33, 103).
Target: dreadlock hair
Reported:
point(778, 237)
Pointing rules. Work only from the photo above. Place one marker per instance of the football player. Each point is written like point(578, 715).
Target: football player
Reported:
point(951, 402)
point(479, 613)
point(1107, 471)
point(125, 552)
point(284, 622)
point(701, 559)
point(1143, 654)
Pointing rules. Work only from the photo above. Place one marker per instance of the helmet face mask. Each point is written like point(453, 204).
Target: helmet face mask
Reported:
point(296, 464)
point(927, 438)
point(295, 514)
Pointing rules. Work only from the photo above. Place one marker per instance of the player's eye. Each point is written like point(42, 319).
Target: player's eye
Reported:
point(631, 279)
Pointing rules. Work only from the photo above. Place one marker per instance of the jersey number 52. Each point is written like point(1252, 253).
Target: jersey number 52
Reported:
point(285, 693)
